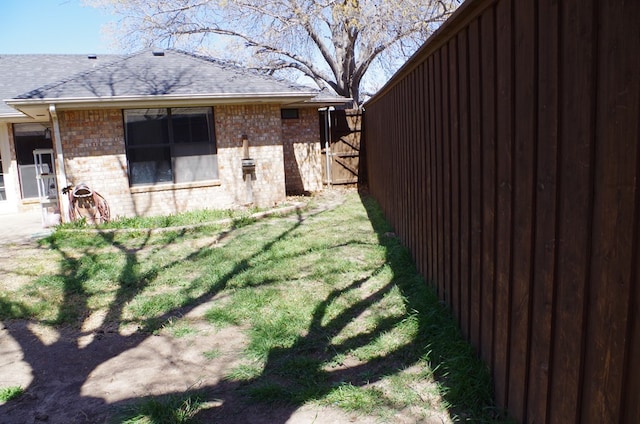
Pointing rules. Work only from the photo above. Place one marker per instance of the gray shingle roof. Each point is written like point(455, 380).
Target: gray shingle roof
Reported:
point(174, 73)
point(21, 73)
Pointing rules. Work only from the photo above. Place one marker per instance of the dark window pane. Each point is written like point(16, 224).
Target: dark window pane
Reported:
point(150, 165)
point(192, 125)
point(146, 126)
point(289, 113)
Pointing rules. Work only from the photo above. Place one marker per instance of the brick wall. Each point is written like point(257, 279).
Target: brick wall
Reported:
point(93, 144)
point(93, 147)
point(302, 152)
point(261, 124)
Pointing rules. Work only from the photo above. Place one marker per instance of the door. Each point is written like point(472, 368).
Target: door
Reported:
point(27, 138)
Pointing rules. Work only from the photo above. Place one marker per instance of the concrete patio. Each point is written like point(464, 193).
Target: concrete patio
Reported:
point(22, 227)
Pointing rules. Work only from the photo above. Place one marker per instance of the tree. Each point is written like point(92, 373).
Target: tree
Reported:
point(335, 43)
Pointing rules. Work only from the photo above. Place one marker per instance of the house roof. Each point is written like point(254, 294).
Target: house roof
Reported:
point(30, 83)
point(20, 73)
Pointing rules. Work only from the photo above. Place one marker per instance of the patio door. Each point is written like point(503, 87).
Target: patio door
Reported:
point(27, 138)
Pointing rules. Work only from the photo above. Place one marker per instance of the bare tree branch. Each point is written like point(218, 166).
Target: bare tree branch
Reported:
point(335, 43)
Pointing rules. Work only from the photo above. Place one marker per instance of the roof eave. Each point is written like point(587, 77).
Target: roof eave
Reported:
point(35, 107)
point(337, 101)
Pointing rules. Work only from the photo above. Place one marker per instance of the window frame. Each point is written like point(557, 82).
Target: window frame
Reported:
point(172, 146)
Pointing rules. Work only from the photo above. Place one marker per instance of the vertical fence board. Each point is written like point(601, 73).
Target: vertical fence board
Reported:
point(475, 249)
point(439, 165)
point(465, 191)
point(408, 159)
point(403, 193)
point(573, 252)
point(503, 153)
point(446, 174)
point(614, 214)
point(488, 61)
point(545, 212)
point(426, 166)
point(433, 199)
point(427, 170)
point(629, 405)
point(455, 179)
point(525, 99)
point(418, 161)
point(415, 158)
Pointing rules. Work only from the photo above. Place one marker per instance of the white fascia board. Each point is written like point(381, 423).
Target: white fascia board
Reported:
point(322, 102)
point(27, 105)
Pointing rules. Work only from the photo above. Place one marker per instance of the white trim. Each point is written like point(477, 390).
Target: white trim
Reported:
point(37, 108)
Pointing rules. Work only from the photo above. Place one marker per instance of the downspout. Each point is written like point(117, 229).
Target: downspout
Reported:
point(327, 145)
point(62, 174)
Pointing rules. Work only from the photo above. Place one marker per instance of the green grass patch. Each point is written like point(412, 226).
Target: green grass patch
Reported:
point(179, 328)
point(10, 393)
point(353, 398)
point(163, 410)
point(245, 372)
point(212, 354)
point(192, 218)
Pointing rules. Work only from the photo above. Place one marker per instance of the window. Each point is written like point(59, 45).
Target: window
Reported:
point(289, 113)
point(174, 145)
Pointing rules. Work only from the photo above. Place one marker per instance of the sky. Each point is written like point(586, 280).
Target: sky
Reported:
point(52, 26)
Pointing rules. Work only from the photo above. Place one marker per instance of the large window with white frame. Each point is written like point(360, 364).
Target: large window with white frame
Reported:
point(170, 145)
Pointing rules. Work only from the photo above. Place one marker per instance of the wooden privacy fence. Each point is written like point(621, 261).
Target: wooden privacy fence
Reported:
point(506, 154)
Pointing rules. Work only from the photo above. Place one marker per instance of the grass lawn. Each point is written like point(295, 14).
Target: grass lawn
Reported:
point(332, 306)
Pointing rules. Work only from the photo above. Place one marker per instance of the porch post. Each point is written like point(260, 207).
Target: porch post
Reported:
point(62, 174)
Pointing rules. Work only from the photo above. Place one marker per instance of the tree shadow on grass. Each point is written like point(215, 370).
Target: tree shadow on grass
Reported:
point(320, 364)
point(314, 367)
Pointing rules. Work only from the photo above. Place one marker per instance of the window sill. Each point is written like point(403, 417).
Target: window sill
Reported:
point(172, 187)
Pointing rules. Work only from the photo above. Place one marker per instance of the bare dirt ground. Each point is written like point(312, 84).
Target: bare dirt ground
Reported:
point(89, 375)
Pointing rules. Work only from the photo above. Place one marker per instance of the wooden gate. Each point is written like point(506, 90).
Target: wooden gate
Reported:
point(344, 129)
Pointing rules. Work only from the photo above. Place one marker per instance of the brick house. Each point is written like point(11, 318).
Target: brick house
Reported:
point(155, 132)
